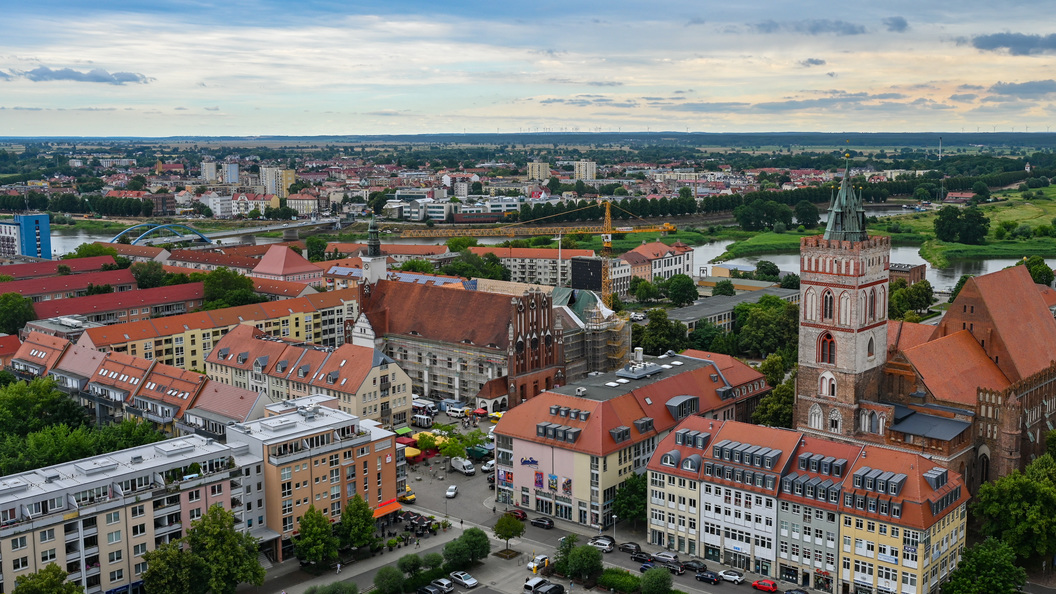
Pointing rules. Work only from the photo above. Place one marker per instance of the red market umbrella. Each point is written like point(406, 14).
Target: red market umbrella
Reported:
point(481, 412)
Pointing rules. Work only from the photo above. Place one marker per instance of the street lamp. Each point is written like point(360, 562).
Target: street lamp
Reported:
point(614, 528)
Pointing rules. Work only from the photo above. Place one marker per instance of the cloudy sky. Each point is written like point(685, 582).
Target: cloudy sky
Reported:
point(306, 67)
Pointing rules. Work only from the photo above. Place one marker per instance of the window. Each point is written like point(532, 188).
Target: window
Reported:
point(137, 511)
point(47, 535)
point(139, 530)
point(20, 563)
point(195, 495)
point(827, 305)
point(113, 517)
point(116, 556)
point(47, 556)
point(140, 568)
point(216, 490)
point(117, 575)
point(195, 513)
point(139, 549)
point(113, 537)
point(827, 349)
point(18, 543)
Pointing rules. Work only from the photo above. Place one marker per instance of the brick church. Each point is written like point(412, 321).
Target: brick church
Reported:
point(976, 393)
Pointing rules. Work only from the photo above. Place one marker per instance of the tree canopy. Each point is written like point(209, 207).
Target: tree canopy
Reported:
point(148, 274)
point(987, 567)
point(681, 290)
point(723, 287)
point(660, 334)
point(90, 250)
point(968, 225)
point(15, 311)
point(776, 408)
point(356, 528)
point(315, 541)
point(469, 265)
point(1020, 509)
point(224, 287)
point(629, 501)
point(1039, 270)
point(49, 580)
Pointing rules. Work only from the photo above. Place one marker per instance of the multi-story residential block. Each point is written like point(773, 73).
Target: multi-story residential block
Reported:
point(314, 454)
point(203, 260)
point(566, 451)
point(70, 285)
point(51, 267)
point(305, 204)
point(136, 253)
point(837, 517)
point(221, 206)
point(585, 170)
point(244, 203)
point(665, 260)
point(277, 180)
point(127, 306)
point(539, 170)
point(208, 171)
point(229, 173)
point(535, 265)
point(365, 381)
point(96, 517)
point(184, 340)
point(70, 328)
point(28, 235)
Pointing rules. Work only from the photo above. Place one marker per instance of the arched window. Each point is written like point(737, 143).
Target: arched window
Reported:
point(827, 305)
point(835, 421)
point(872, 304)
point(827, 384)
point(871, 347)
point(827, 349)
point(814, 419)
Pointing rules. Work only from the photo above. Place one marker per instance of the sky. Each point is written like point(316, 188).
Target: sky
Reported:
point(323, 67)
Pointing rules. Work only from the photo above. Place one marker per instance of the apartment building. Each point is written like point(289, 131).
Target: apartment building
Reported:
point(208, 261)
point(96, 517)
point(127, 306)
point(837, 517)
point(565, 452)
point(539, 170)
point(70, 285)
point(136, 253)
point(364, 380)
point(585, 170)
point(51, 267)
point(664, 260)
point(535, 265)
point(277, 180)
point(184, 340)
point(315, 454)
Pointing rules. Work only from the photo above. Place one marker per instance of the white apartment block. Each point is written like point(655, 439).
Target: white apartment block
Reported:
point(586, 170)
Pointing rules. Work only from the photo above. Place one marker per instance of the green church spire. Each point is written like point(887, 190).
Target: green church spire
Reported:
point(846, 213)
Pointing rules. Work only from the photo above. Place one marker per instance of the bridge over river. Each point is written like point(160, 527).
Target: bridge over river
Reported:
point(151, 233)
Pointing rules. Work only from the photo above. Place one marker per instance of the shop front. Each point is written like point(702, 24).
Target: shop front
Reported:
point(862, 588)
point(789, 573)
point(822, 581)
point(762, 567)
point(737, 559)
point(712, 553)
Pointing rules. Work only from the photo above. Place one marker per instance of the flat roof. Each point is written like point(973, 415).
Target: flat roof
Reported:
point(710, 306)
point(607, 386)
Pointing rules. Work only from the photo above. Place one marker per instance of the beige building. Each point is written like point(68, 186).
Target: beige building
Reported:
point(539, 170)
point(586, 170)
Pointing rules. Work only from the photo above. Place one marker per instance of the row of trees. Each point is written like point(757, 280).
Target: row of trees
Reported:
point(680, 290)
point(412, 571)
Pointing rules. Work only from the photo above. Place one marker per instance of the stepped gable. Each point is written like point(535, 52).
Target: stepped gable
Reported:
point(411, 309)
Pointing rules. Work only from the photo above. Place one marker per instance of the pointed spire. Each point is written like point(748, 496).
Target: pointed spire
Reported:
point(846, 213)
point(373, 240)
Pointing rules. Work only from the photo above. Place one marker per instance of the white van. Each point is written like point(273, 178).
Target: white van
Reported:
point(532, 585)
point(422, 421)
point(424, 407)
point(464, 466)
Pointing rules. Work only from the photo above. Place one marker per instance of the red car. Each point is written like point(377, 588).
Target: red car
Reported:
point(765, 585)
point(519, 514)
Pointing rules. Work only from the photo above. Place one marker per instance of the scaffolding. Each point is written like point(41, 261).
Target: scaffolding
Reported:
point(607, 340)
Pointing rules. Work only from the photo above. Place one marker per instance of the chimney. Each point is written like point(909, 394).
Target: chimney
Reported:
point(638, 354)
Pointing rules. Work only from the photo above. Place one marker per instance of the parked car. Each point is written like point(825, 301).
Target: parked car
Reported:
point(519, 514)
point(603, 538)
point(429, 589)
point(551, 589)
point(665, 556)
point(543, 523)
point(641, 558)
point(646, 567)
point(708, 576)
point(539, 562)
point(451, 492)
point(602, 545)
point(446, 586)
point(463, 579)
point(732, 575)
point(796, 591)
point(695, 565)
point(487, 466)
point(674, 567)
point(765, 585)
point(630, 547)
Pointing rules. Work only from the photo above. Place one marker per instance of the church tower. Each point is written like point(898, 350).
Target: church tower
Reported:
point(842, 319)
point(374, 263)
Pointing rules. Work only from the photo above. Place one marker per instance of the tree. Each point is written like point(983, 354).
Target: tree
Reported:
point(1050, 443)
point(316, 248)
point(773, 369)
point(356, 528)
point(457, 553)
point(459, 244)
point(426, 441)
point(703, 336)
point(410, 564)
point(790, 281)
point(629, 502)
point(723, 287)
point(807, 214)
point(224, 287)
point(681, 290)
point(478, 543)
point(334, 588)
point(1020, 509)
point(981, 190)
point(508, 527)
point(315, 541)
point(432, 560)
point(15, 311)
point(61, 270)
point(948, 223)
point(225, 557)
point(49, 580)
point(767, 270)
point(775, 409)
point(1039, 270)
point(417, 265)
point(564, 549)
point(987, 567)
point(661, 334)
point(646, 292)
point(656, 581)
point(974, 226)
point(92, 289)
point(254, 214)
point(90, 250)
point(389, 580)
point(171, 570)
point(148, 274)
point(584, 562)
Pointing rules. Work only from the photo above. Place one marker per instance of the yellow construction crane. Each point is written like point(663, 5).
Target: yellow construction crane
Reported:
point(518, 229)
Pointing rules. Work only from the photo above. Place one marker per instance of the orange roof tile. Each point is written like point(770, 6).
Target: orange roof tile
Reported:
point(68, 283)
point(952, 367)
point(41, 350)
point(906, 335)
point(51, 267)
point(136, 298)
point(282, 261)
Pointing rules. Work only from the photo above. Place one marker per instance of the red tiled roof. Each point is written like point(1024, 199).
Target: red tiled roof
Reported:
point(122, 371)
point(79, 360)
point(41, 349)
point(50, 267)
point(119, 301)
point(228, 401)
point(480, 318)
point(213, 259)
point(659, 249)
point(952, 367)
point(68, 283)
point(171, 385)
point(282, 261)
point(257, 251)
point(9, 345)
point(530, 253)
point(350, 363)
point(126, 249)
point(391, 249)
point(280, 288)
point(906, 335)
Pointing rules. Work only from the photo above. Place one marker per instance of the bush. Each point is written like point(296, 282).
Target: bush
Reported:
point(1000, 233)
point(619, 580)
point(656, 581)
point(780, 227)
point(801, 229)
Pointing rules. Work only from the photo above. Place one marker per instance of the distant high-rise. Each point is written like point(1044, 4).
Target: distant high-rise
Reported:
point(28, 235)
point(539, 170)
point(277, 180)
point(586, 170)
point(209, 171)
point(230, 173)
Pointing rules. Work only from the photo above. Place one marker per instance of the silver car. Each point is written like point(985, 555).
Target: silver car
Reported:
point(446, 586)
point(451, 492)
point(463, 579)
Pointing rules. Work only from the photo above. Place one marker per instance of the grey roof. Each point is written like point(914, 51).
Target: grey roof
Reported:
point(710, 306)
point(598, 388)
point(931, 426)
point(846, 214)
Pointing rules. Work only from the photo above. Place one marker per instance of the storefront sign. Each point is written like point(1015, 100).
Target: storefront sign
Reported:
point(529, 461)
point(887, 558)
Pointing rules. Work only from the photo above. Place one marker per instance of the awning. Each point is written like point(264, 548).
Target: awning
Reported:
point(404, 431)
point(480, 411)
point(387, 509)
point(407, 441)
point(409, 452)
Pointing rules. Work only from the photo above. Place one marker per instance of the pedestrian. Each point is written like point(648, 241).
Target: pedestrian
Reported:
point(570, 584)
point(338, 568)
point(418, 543)
point(461, 523)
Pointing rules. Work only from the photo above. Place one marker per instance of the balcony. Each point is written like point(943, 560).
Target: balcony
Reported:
point(166, 528)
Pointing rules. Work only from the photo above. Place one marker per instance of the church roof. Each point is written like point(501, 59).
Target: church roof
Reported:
point(906, 335)
point(281, 261)
point(952, 367)
point(846, 213)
